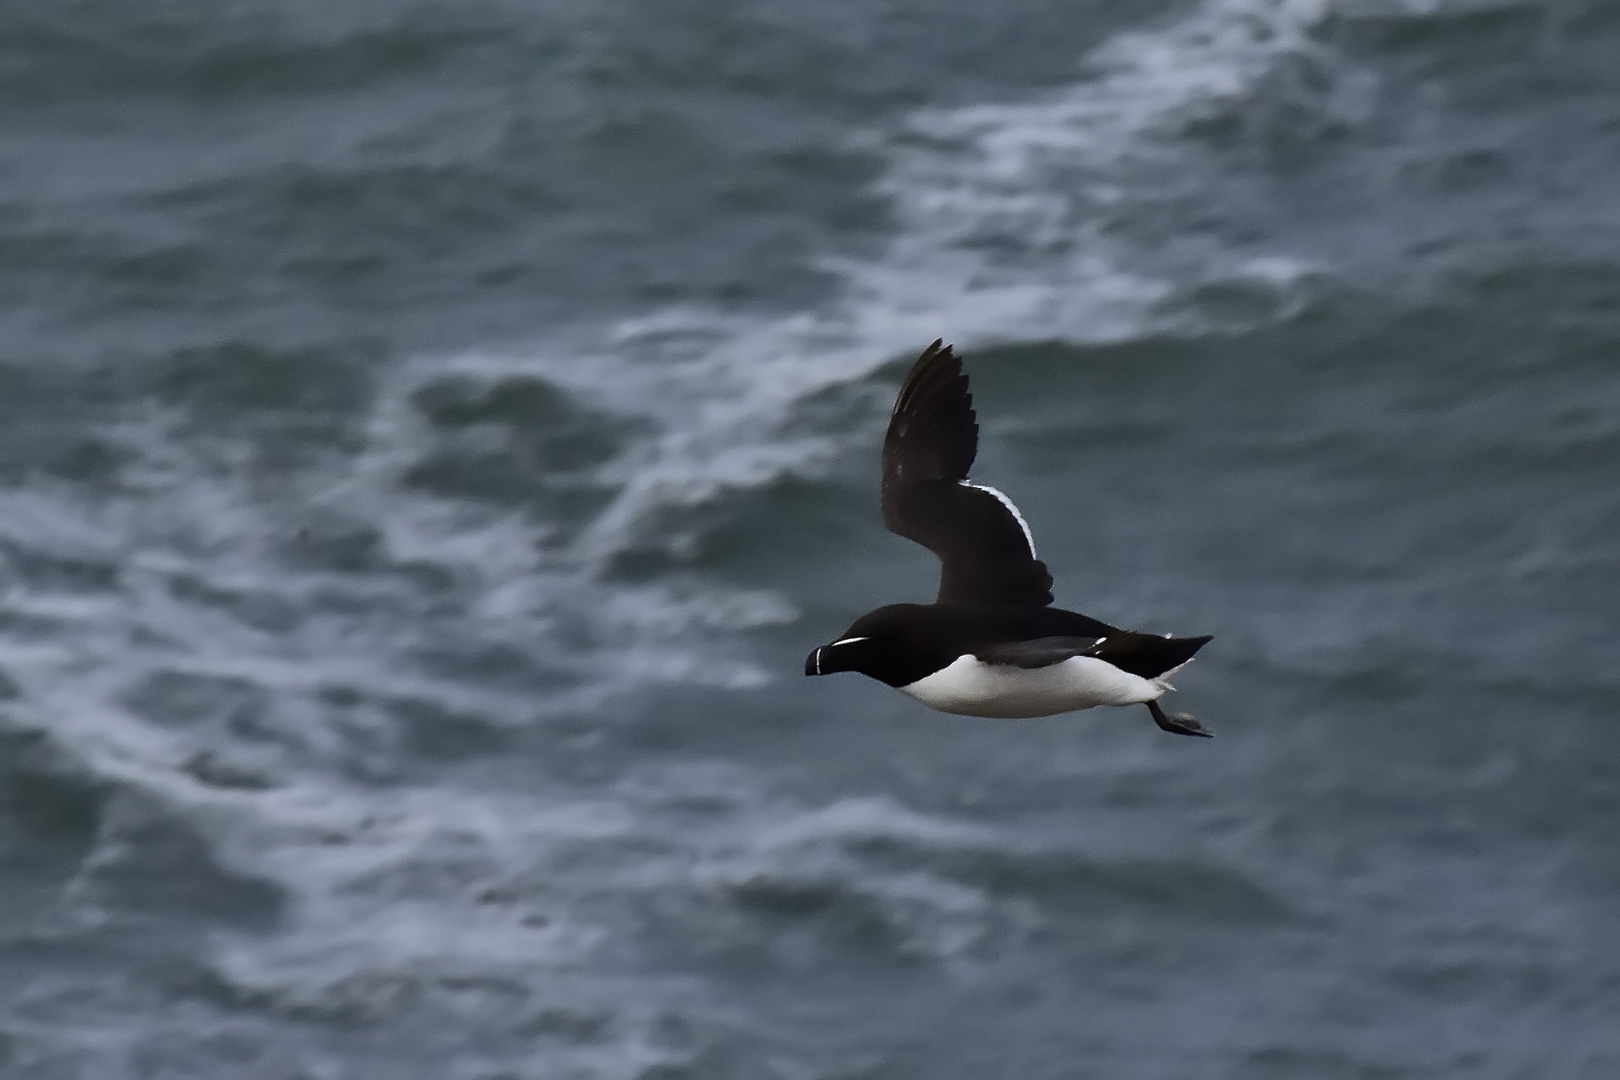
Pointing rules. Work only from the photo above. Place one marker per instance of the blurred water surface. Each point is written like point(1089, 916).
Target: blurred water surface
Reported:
point(431, 435)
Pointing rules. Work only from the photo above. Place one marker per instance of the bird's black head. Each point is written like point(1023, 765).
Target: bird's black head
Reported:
point(852, 652)
point(890, 645)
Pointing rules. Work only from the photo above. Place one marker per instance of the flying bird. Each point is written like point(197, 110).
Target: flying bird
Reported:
point(990, 644)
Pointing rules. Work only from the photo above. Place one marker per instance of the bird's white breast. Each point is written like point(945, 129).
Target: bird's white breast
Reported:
point(970, 687)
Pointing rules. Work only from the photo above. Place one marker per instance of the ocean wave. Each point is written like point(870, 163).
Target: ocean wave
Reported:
point(203, 52)
point(315, 652)
point(256, 622)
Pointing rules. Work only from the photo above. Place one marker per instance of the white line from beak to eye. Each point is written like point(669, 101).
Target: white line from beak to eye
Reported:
point(847, 641)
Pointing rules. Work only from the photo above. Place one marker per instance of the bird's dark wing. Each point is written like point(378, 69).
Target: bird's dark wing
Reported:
point(1146, 655)
point(1039, 653)
point(986, 553)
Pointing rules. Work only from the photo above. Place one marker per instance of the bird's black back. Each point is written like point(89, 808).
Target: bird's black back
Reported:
point(919, 639)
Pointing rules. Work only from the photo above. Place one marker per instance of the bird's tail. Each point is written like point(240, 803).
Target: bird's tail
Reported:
point(1148, 655)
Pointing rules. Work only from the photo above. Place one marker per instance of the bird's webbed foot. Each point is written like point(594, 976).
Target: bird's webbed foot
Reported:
point(1178, 723)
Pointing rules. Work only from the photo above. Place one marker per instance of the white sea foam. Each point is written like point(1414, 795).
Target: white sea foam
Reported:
point(1010, 227)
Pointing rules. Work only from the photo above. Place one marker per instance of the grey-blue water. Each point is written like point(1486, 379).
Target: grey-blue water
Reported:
point(432, 433)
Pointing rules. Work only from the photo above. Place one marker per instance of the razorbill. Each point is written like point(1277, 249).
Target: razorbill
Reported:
point(990, 644)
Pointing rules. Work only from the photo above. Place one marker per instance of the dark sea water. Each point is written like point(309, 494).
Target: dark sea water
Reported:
point(432, 434)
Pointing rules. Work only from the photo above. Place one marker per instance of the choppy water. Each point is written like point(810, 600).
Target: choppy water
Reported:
point(431, 435)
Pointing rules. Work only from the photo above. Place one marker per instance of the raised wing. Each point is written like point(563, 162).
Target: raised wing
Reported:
point(986, 552)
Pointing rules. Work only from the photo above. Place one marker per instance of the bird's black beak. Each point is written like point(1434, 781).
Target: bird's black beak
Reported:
point(812, 663)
